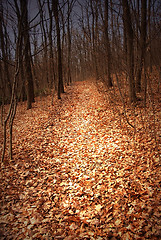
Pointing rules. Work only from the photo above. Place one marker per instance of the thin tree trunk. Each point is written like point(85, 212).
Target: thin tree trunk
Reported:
point(52, 67)
point(27, 55)
point(130, 48)
point(69, 48)
point(109, 80)
point(60, 73)
point(45, 47)
point(94, 12)
point(4, 55)
point(142, 44)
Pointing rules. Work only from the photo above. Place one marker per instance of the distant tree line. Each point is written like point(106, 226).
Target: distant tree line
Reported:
point(68, 40)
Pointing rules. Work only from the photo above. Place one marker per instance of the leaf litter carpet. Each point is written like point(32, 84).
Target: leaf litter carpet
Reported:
point(75, 175)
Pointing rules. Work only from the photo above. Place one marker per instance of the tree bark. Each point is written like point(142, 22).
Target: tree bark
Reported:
point(45, 45)
point(142, 45)
point(4, 55)
point(69, 79)
point(109, 80)
point(130, 48)
point(94, 11)
point(55, 4)
point(52, 67)
point(27, 55)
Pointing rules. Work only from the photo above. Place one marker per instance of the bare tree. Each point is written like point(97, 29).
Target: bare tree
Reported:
point(51, 54)
point(94, 12)
point(44, 44)
point(27, 54)
point(14, 97)
point(108, 48)
point(4, 53)
point(130, 48)
point(142, 43)
point(69, 78)
point(22, 16)
point(55, 4)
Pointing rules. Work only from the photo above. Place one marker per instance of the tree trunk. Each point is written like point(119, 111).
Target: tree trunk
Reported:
point(55, 4)
point(109, 80)
point(142, 45)
point(4, 55)
point(69, 46)
point(27, 55)
point(45, 45)
point(52, 68)
point(130, 48)
point(94, 11)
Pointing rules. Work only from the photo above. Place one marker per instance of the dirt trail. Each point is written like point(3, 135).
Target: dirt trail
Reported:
point(74, 175)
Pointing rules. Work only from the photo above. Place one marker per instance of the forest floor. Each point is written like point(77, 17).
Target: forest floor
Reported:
point(77, 173)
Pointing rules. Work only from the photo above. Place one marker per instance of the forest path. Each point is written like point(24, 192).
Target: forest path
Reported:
point(74, 174)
